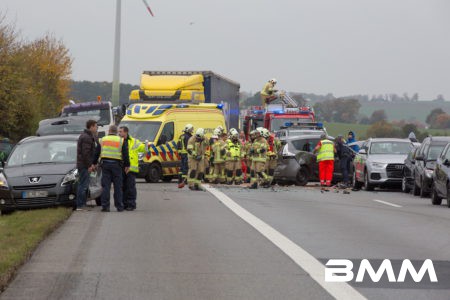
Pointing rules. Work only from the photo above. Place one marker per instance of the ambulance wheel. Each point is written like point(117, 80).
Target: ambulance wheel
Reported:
point(154, 173)
point(167, 178)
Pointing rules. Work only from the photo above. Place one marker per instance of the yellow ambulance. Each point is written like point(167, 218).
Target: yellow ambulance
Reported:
point(161, 125)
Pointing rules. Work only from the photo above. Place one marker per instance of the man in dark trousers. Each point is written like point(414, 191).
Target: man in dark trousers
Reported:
point(87, 157)
point(115, 160)
point(182, 150)
point(344, 153)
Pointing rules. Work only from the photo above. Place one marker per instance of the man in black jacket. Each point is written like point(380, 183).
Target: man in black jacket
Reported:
point(88, 152)
point(345, 156)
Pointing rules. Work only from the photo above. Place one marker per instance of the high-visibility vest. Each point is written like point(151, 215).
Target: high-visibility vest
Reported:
point(217, 147)
point(257, 146)
point(326, 151)
point(135, 147)
point(234, 149)
point(182, 147)
point(112, 147)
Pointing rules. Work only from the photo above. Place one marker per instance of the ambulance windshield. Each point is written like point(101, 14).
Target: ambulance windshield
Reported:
point(142, 130)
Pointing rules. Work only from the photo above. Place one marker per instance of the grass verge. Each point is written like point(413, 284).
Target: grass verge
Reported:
point(21, 232)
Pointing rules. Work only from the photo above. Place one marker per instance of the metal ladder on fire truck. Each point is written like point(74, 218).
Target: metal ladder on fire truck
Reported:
point(287, 100)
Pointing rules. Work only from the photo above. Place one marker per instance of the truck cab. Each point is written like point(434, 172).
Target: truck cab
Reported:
point(102, 111)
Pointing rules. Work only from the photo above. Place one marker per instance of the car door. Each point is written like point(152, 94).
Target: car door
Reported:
point(360, 161)
point(420, 164)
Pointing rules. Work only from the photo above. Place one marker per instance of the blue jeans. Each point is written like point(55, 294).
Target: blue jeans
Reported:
point(112, 173)
point(129, 190)
point(83, 185)
point(345, 168)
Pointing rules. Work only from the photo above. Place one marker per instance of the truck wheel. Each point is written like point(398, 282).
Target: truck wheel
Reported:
point(435, 199)
point(367, 185)
point(356, 184)
point(167, 178)
point(405, 187)
point(154, 173)
point(302, 177)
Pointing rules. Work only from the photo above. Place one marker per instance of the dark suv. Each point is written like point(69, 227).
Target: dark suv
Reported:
point(425, 163)
point(441, 178)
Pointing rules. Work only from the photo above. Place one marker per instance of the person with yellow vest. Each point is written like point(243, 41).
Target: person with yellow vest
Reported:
point(182, 150)
point(325, 156)
point(258, 151)
point(268, 93)
point(135, 147)
point(233, 158)
point(115, 160)
point(196, 150)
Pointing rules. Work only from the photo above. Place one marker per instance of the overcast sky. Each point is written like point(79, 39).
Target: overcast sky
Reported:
point(320, 46)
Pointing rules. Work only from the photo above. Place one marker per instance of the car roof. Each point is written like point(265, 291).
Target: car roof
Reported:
point(56, 137)
point(439, 139)
point(389, 140)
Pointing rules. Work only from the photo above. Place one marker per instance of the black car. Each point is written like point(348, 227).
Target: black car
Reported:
point(40, 172)
point(441, 178)
point(425, 162)
point(408, 170)
point(297, 163)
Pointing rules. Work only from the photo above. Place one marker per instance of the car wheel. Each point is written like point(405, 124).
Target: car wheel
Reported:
point(367, 185)
point(302, 177)
point(423, 193)
point(356, 184)
point(416, 189)
point(154, 173)
point(448, 196)
point(405, 187)
point(167, 178)
point(435, 199)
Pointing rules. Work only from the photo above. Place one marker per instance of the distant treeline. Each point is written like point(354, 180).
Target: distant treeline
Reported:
point(82, 91)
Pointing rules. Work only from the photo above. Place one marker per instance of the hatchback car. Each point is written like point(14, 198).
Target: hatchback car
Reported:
point(441, 178)
point(40, 172)
point(297, 163)
point(426, 157)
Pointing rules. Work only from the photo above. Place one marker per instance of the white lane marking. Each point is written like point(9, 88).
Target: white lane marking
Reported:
point(339, 290)
point(387, 203)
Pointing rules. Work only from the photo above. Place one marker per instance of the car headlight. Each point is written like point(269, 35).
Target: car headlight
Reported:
point(3, 182)
point(378, 165)
point(70, 177)
point(429, 173)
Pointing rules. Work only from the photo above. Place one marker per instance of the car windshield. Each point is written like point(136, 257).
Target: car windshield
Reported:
point(276, 124)
point(142, 130)
point(434, 151)
point(61, 128)
point(41, 152)
point(307, 145)
point(104, 116)
point(390, 147)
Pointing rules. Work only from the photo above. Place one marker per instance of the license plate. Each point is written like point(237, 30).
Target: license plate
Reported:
point(34, 194)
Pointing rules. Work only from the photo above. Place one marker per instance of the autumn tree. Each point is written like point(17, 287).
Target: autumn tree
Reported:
point(378, 116)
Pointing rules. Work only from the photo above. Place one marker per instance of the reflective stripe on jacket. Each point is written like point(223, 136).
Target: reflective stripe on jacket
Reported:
point(326, 151)
point(112, 147)
point(234, 150)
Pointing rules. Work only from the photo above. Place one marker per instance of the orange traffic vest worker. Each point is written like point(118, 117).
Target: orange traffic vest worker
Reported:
point(325, 156)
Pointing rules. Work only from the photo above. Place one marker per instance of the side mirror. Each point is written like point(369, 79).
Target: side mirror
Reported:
point(362, 151)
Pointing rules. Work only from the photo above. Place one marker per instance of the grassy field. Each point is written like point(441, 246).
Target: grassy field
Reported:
point(334, 129)
point(21, 232)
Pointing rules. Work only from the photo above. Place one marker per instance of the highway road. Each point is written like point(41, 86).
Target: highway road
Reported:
point(234, 243)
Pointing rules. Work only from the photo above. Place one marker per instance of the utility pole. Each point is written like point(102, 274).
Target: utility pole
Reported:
point(116, 70)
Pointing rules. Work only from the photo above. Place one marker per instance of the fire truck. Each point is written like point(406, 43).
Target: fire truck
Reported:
point(276, 116)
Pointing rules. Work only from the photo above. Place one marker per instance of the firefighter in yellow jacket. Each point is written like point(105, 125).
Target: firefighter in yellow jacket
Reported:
point(268, 93)
point(233, 158)
point(258, 152)
point(196, 150)
point(219, 150)
point(272, 154)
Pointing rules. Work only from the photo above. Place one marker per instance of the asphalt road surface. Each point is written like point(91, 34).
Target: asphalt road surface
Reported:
point(235, 243)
